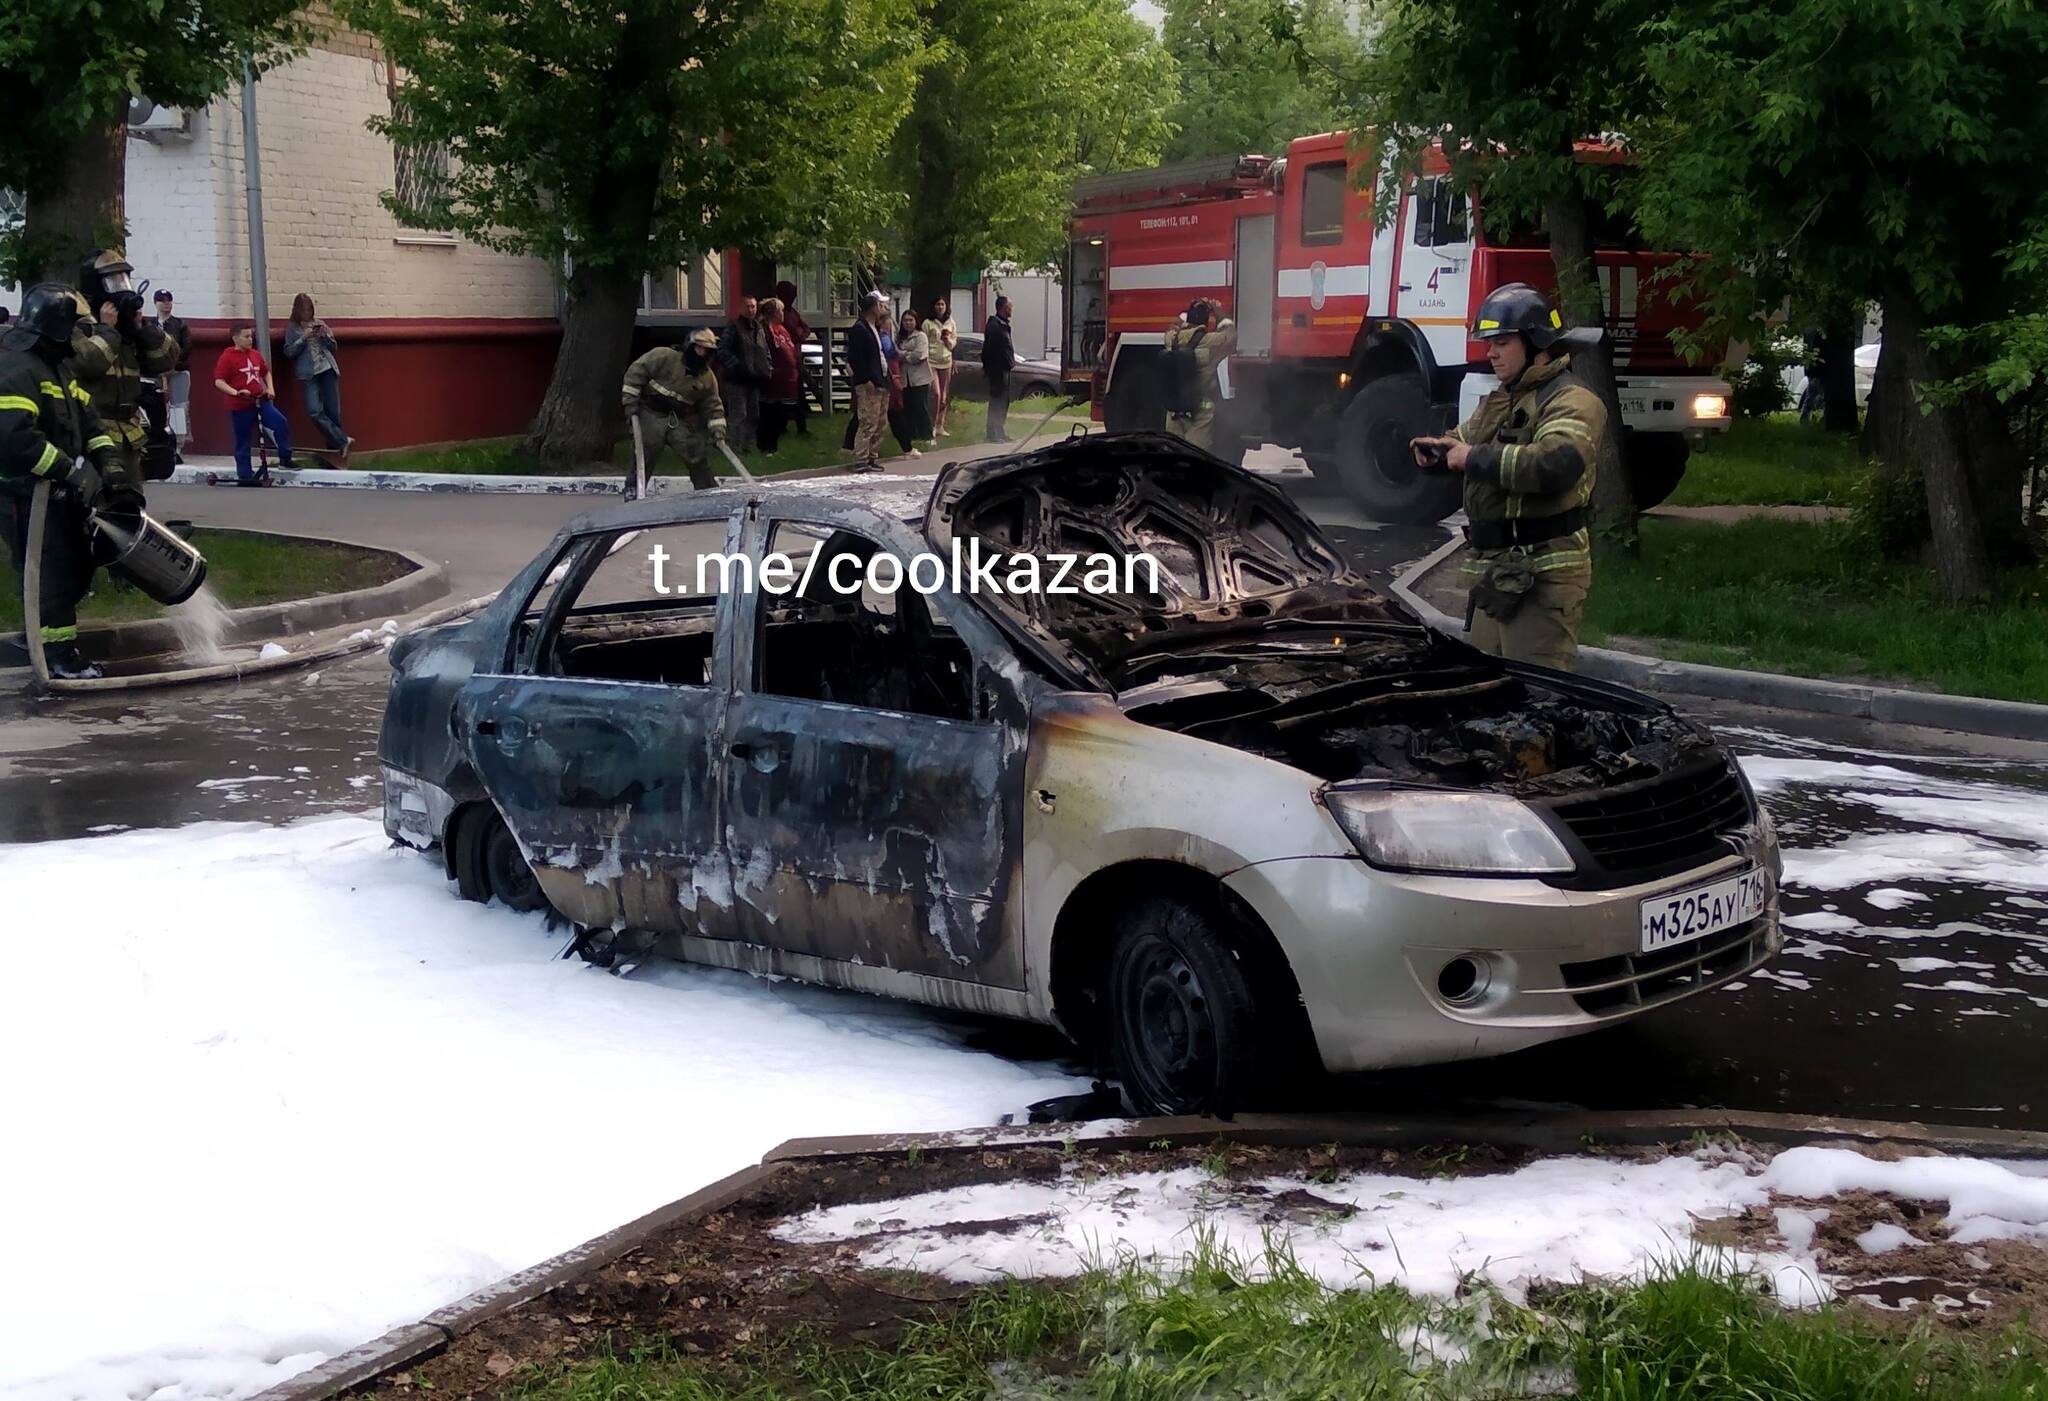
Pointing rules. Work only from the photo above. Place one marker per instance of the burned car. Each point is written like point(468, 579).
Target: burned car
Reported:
point(1235, 808)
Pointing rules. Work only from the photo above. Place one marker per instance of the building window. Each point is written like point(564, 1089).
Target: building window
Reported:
point(13, 209)
point(420, 170)
point(707, 282)
point(1322, 203)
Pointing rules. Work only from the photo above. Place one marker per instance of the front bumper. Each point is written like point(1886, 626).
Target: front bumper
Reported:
point(1366, 947)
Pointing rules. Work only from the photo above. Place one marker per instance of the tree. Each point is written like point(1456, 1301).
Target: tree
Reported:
point(1254, 74)
point(1508, 93)
point(1843, 150)
point(1022, 97)
point(623, 140)
point(73, 66)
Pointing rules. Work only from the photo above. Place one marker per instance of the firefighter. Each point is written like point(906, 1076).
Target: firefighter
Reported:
point(676, 398)
point(1527, 454)
point(50, 432)
point(1195, 344)
point(118, 354)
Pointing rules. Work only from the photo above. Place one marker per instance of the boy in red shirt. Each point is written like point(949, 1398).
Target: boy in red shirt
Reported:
point(242, 376)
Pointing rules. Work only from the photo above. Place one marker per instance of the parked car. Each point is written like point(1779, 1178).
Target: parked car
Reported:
point(1246, 811)
point(1029, 380)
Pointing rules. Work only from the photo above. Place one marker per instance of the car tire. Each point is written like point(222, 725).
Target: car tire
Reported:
point(1375, 464)
point(1183, 1020)
point(489, 863)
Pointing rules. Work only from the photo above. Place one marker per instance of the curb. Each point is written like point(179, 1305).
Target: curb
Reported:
point(422, 584)
point(1974, 715)
point(365, 480)
point(1573, 1133)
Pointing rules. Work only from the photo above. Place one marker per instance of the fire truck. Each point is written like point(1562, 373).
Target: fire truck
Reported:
point(1352, 339)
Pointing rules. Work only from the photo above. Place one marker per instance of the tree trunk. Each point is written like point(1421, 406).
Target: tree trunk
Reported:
point(1838, 377)
point(1998, 471)
point(1934, 440)
point(1579, 300)
point(930, 241)
point(1888, 419)
point(81, 207)
point(579, 416)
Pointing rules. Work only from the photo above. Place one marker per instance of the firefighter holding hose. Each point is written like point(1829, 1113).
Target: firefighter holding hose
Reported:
point(50, 432)
point(118, 355)
point(1527, 454)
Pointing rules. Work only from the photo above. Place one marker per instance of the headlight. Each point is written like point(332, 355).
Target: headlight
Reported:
point(1709, 406)
point(1457, 833)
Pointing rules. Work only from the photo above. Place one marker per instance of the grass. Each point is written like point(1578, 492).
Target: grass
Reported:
point(1222, 1328)
point(968, 423)
point(1771, 462)
point(1812, 600)
point(243, 569)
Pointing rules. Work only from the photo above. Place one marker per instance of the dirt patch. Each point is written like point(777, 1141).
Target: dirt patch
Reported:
point(1894, 1255)
point(723, 1287)
point(723, 1290)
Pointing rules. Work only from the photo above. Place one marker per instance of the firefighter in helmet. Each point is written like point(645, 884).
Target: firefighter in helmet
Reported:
point(50, 432)
point(676, 398)
point(1527, 454)
point(1197, 342)
point(118, 354)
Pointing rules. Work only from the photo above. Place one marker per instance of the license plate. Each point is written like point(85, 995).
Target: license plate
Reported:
point(1634, 405)
point(1685, 915)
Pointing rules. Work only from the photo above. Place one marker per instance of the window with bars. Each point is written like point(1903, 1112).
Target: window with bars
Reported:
point(13, 209)
point(420, 169)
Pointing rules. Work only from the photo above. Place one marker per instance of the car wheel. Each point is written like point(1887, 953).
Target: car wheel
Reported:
point(1183, 1020)
point(488, 863)
point(1378, 467)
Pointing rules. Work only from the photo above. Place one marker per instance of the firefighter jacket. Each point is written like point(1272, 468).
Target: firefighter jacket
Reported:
point(659, 382)
point(46, 419)
point(113, 371)
point(1210, 348)
point(1534, 449)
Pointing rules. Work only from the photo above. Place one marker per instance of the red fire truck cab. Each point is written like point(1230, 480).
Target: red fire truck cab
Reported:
point(1350, 339)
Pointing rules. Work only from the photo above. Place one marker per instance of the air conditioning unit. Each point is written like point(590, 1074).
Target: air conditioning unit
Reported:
point(153, 123)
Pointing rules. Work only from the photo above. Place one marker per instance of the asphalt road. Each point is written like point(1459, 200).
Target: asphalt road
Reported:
point(1915, 984)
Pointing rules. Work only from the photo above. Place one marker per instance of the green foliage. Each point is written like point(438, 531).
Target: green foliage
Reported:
point(1771, 462)
point(1888, 513)
point(1253, 74)
point(1758, 389)
point(1020, 99)
point(1820, 601)
point(1831, 151)
point(1508, 91)
point(72, 66)
point(632, 137)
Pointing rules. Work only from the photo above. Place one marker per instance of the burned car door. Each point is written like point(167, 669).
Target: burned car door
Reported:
point(598, 741)
point(867, 812)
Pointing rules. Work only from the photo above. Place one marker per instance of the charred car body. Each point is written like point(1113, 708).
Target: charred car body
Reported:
point(1256, 811)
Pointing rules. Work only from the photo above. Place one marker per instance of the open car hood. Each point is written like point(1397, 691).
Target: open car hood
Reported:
point(1234, 554)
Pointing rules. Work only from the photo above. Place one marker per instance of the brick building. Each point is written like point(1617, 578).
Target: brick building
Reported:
point(439, 339)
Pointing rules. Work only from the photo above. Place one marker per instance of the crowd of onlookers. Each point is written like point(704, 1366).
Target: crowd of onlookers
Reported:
point(901, 368)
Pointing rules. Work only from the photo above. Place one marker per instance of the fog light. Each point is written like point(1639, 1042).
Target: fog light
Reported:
point(1709, 406)
point(1343, 378)
point(1462, 981)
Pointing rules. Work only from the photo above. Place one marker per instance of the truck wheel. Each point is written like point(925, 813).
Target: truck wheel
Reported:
point(488, 863)
point(1375, 464)
point(1137, 400)
point(1183, 1020)
point(1654, 464)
